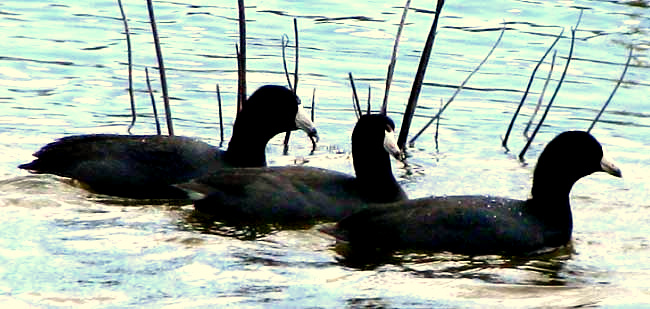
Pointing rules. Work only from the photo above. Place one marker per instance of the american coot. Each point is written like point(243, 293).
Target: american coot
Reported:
point(301, 195)
point(484, 224)
point(145, 166)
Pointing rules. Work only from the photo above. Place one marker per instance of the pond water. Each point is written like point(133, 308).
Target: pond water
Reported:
point(63, 72)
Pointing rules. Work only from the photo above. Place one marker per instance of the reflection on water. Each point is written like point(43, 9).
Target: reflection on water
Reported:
point(203, 223)
point(64, 73)
point(543, 269)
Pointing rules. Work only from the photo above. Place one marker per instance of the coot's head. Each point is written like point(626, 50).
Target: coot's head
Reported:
point(569, 157)
point(374, 132)
point(276, 109)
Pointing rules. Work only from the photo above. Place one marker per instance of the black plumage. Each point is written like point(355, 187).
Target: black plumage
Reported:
point(485, 224)
point(145, 166)
point(306, 194)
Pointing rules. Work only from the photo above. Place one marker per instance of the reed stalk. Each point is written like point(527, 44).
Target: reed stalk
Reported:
point(355, 97)
point(130, 65)
point(220, 116)
point(153, 101)
point(287, 136)
point(504, 143)
point(541, 96)
point(241, 57)
point(550, 103)
point(419, 77)
point(618, 83)
point(161, 68)
point(460, 87)
point(393, 58)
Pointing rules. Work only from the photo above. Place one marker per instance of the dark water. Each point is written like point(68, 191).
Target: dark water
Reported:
point(63, 72)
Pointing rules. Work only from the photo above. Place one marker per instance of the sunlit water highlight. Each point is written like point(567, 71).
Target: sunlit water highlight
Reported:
point(63, 72)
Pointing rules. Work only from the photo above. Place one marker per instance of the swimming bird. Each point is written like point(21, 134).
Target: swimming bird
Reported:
point(145, 166)
point(479, 225)
point(299, 194)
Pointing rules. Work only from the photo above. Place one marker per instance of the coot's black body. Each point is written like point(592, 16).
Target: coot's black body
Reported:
point(306, 194)
point(485, 224)
point(146, 166)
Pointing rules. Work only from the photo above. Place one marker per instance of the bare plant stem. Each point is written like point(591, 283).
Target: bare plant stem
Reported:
point(504, 143)
point(285, 43)
point(579, 19)
point(241, 57)
point(419, 77)
point(557, 89)
point(369, 105)
point(295, 74)
point(460, 87)
point(541, 95)
point(220, 116)
point(240, 99)
point(618, 83)
point(130, 65)
point(393, 58)
point(355, 98)
point(285, 150)
point(313, 108)
point(161, 68)
point(153, 101)
point(438, 127)
point(287, 136)
point(313, 104)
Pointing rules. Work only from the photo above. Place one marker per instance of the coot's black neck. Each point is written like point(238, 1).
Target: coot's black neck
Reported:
point(551, 205)
point(247, 146)
point(550, 186)
point(246, 152)
point(374, 175)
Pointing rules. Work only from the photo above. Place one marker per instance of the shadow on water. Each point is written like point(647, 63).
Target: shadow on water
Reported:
point(542, 269)
point(207, 224)
point(242, 230)
point(168, 204)
point(45, 183)
point(638, 3)
point(372, 302)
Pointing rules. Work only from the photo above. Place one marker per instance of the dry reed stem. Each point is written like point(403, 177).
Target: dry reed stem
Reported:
point(161, 68)
point(220, 116)
point(313, 107)
point(618, 83)
point(313, 104)
point(550, 103)
point(285, 43)
point(153, 101)
point(557, 89)
point(393, 58)
point(130, 65)
point(241, 57)
point(419, 77)
point(438, 127)
point(504, 143)
point(295, 74)
point(461, 86)
point(287, 136)
point(355, 98)
point(369, 105)
point(541, 96)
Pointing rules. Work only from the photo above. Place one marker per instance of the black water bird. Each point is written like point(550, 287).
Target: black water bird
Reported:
point(303, 195)
point(479, 225)
point(145, 166)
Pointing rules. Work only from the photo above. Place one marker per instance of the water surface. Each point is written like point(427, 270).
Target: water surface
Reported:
point(63, 72)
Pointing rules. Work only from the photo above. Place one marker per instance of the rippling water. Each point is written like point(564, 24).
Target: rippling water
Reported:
point(63, 72)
